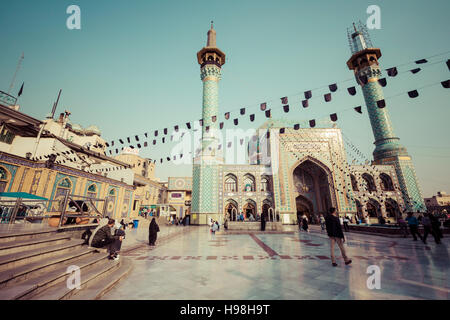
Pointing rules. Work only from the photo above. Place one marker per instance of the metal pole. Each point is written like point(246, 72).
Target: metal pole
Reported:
point(63, 210)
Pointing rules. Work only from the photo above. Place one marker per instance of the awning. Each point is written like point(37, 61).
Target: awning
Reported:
point(23, 195)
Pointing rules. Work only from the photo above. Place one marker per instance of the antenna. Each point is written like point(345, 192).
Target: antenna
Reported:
point(15, 73)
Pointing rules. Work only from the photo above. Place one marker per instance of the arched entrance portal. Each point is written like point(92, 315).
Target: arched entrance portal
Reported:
point(231, 210)
point(249, 208)
point(392, 209)
point(312, 185)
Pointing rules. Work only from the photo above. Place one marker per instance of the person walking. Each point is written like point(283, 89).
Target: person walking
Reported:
point(153, 230)
point(436, 226)
point(263, 221)
point(305, 223)
point(214, 228)
point(346, 228)
point(413, 224)
point(334, 231)
point(322, 222)
point(427, 228)
point(403, 227)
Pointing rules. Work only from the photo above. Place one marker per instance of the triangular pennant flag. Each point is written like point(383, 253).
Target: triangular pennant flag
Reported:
point(382, 82)
point(284, 100)
point(327, 97)
point(296, 126)
point(381, 103)
point(446, 83)
point(107, 144)
point(168, 159)
point(229, 145)
point(421, 61)
point(286, 108)
point(333, 117)
point(221, 125)
point(448, 64)
point(333, 87)
point(214, 118)
point(139, 145)
point(128, 139)
point(137, 138)
point(154, 141)
point(267, 113)
point(351, 91)
point(145, 144)
point(165, 130)
point(308, 94)
point(112, 143)
point(263, 106)
point(227, 115)
point(207, 128)
point(188, 125)
point(414, 71)
point(242, 141)
point(242, 111)
point(145, 134)
point(281, 130)
point(358, 109)
point(236, 122)
point(164, 140)
point(252, 117)
point(21, 90)
point(392, 72)
point(413, 94)
point(305, 103)
point(176, 128)
point(312, 123)
point(161, 160)
point(156, 133)
point(117, 151)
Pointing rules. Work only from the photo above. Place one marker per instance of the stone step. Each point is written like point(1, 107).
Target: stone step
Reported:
point(25, 235)
point(100, 287)
point(89, 277)
point(27, 271)
point(34, 243)
point(34, 286)
point(15, 260)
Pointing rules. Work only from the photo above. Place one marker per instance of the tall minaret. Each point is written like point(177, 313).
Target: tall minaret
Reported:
point(388, 150)
point(205, 175)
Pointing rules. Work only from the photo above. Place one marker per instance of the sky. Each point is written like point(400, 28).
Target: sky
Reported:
point(132, 67)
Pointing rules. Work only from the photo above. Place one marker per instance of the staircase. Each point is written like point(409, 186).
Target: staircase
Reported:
point(33, 266)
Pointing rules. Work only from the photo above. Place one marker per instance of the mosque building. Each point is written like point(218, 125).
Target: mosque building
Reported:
point(294, 170)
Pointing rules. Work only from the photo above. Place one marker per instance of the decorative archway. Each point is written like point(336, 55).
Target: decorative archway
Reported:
point(304, 206)
point(392, 208)
point(313, 180)
point(369, 182)
point(231, 209)
point(386, 182)
point(249, 183)
point(230, 184)
point(249, 208)
point(63, 188)
point(373, 208)
point(267, 209)
point(4, 179)
point(265, 184)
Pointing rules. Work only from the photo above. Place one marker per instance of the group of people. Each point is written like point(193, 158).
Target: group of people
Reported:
point(431, 225)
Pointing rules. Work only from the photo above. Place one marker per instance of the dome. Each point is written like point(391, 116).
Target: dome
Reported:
point(92, 130)
point(77, 128)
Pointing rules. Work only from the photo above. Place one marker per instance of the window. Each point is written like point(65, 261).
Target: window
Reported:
point(265, 186)
point(63, 188)
point(230, 183)
point(3, 179)
point(92, 191)
point(386, 182)
point(369, 182)
point(249, 183)
point(6, 136)
point(354, 183)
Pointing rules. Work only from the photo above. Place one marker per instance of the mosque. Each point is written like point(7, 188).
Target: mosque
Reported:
point(294, 170)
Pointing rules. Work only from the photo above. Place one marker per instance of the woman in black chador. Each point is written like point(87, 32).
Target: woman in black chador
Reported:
point(153, 230)
point(263, 221)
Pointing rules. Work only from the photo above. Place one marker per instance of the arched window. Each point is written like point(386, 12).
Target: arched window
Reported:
point(210, 58)
point(3, 179)
point(369, 182)
point(230, 183)
point(386, 182)
point(249, 183)
point(92, 191)
point(265, 184)
point(63, 188)
point(111, 202)
point(354, 183)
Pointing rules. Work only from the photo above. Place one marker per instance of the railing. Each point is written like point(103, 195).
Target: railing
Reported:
point(7, 99)
point(80, 207)
point(23, 209)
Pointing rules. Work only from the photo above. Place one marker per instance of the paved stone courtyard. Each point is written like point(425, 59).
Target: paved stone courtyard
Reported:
point(198, 265)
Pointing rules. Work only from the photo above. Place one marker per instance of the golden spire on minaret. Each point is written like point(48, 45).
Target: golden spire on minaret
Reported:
point(210, 53)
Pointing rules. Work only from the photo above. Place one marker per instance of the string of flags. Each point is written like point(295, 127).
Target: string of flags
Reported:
point(392, 72)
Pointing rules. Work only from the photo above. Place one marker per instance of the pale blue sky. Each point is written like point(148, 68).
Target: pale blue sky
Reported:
point(132, 67)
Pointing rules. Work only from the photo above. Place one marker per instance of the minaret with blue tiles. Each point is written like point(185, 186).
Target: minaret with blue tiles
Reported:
point(205, 175)
point(388, 150)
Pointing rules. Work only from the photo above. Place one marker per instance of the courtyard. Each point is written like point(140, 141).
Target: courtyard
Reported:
point(291, 265)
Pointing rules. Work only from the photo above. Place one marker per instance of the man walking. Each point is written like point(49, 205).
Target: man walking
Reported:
point(413, 224)
point(334, 231)
point(427, 227)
